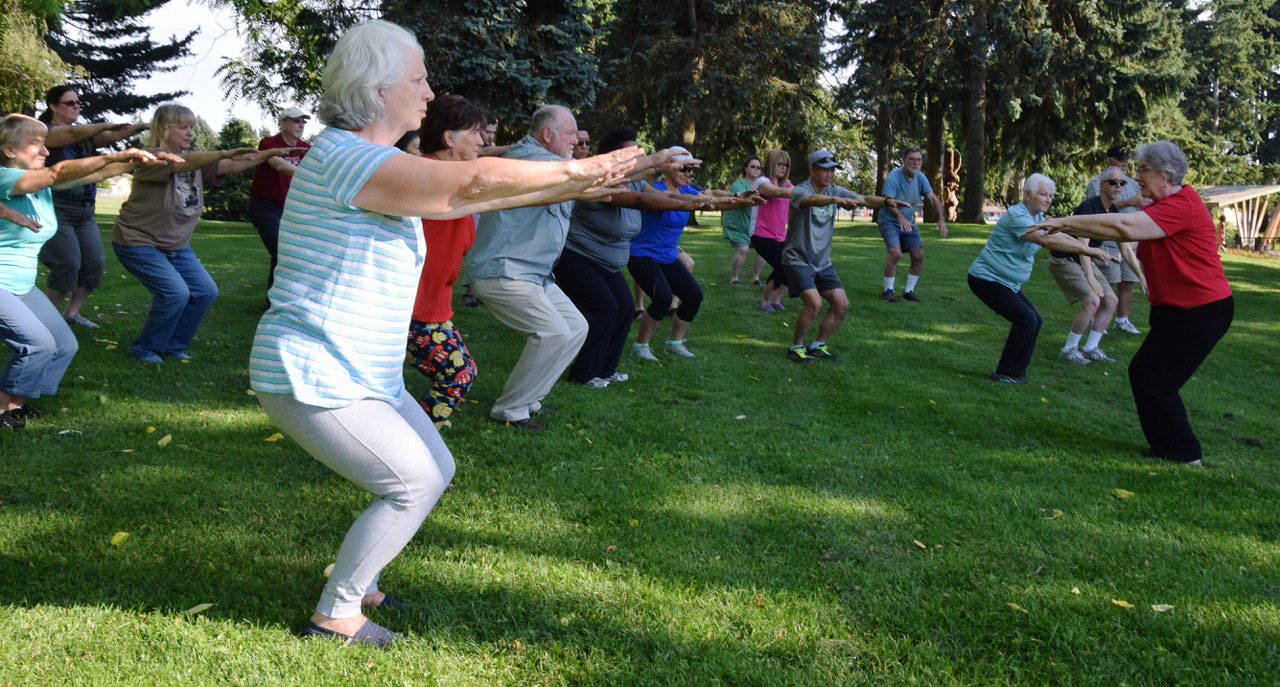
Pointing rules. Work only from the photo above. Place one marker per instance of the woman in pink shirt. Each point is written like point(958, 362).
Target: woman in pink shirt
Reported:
point(771, 225)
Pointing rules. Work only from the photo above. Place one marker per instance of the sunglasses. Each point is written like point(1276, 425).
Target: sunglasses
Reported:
point(1115, 182)
point(69, 103)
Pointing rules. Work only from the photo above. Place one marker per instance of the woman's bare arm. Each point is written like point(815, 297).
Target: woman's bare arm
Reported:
point(1130, 226)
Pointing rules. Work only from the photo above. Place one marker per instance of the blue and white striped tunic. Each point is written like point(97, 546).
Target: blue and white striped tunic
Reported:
point(344, 284)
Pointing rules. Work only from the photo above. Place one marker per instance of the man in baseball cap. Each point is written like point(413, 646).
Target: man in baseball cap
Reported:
point(271, 181)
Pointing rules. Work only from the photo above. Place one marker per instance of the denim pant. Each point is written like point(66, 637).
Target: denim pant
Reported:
point(182, 292)
point(1179, 341)
point(1017, 308)
point(265, 217)
point(42, 344)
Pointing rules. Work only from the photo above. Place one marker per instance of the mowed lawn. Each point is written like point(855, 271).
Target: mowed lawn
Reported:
point(889, 518)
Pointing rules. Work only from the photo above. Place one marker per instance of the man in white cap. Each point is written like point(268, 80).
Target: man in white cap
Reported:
point(271, 181)
point(806, 257)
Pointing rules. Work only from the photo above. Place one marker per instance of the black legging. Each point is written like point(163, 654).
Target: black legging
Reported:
point(1178, 342)
point(1017, 308)
point(771, 251)
point(660, 282)
point(604, 299)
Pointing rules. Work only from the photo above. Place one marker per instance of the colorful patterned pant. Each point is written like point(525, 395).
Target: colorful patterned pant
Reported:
point(439, 353)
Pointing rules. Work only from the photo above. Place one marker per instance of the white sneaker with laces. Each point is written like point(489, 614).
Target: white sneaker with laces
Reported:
point(678, 348)
point(1073, 355)
point(643, 352)
point(617, 377)
point(596, 383)
point(1126, 326)
point(1096, 355)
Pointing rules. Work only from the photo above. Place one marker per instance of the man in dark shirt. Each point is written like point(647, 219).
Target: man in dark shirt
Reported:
point(271, 181)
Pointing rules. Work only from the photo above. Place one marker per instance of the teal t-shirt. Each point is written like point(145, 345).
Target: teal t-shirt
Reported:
point(1007, 259)
point(739, 219)
point(19, 246)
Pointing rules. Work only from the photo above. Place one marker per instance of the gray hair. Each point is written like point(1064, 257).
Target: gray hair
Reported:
point(547, 116)
point(16, 129)
point(1037, 181)
point(1166, 158)
point(366, 58)
point(911, 149)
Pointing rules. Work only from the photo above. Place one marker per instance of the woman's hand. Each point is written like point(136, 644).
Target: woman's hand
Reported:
point(603, 170)
point(1049, 226)
point(1099, 254)
point(142, 156)
point(243, 154)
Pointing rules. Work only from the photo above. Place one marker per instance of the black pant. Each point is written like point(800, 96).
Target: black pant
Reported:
point(604, 298)
point(771, 251)
point(660, 282)
point(1017, 308)
point(1178, 342)
point(265, 217)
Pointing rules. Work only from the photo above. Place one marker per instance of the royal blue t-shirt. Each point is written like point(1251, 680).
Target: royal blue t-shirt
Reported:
point(660, 231)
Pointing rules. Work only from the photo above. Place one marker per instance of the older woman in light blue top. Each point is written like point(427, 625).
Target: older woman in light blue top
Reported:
point(1004, 265)
point(327, 360)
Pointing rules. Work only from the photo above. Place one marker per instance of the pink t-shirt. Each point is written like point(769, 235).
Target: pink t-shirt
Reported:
point(771, 218)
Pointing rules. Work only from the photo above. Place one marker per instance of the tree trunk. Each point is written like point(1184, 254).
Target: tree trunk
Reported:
point(883, 132)
point(975, 135)
point(935, 146)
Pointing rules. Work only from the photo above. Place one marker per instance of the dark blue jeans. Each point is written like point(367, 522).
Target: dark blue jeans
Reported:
point(181, 293)
point(1017, 308)
point(265, 217)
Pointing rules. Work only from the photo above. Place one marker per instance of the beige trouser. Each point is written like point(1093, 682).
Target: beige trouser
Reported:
point(555, 331)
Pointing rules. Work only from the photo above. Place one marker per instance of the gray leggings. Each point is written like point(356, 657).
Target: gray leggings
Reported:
point(392, 450)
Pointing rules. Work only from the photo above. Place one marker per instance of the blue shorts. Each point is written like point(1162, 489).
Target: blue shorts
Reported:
point(894, 236)
point(803, 277)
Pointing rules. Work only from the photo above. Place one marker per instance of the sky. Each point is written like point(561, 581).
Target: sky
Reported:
point(217, 41)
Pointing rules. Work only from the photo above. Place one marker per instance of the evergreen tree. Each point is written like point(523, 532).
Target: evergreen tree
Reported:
point(229, 198)
point(110, 42)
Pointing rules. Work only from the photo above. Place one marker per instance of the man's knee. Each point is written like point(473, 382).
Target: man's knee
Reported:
point(894, 253)
point(1090, 302)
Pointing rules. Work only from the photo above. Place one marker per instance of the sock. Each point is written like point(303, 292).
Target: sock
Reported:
point(1073, 340)
point(674, 341)
point(911, 282)
point(888, 283)
point(1120, 320)
point(1092, 342)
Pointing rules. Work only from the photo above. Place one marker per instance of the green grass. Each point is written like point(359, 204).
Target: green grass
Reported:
point(732, 520)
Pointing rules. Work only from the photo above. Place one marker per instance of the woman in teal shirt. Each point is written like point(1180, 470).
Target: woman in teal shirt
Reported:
point(30, 325)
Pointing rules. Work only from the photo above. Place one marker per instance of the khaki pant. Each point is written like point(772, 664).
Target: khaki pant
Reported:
point(555, 331)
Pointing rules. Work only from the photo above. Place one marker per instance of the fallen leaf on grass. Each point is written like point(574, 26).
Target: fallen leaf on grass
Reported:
point(197, 609)
point(1043, 399)
point(118, 538)
point(1121, 493)
point(633, 522)
point(1057, 513)
point(102, 399)
point(274, 437)
point(251, 392)
point(1016, 607)
point(1121, 603)
point(165, 440)
point(328, 570)
point(758, 600)
point(919, 544)
point(739, 417)
point(1075, 590)
point(611, 548)
point(1161, 608)
point(150, 429)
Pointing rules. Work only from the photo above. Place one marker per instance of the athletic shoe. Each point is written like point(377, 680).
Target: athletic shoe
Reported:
point(148, 357)
point(471, 301)
point(778, 307)
point(887, 296)
point(678, 348)
point(755, 282)
point(797, 354)
point(1006, 379)
point(910, 296)
point(81, 321)
point(596, 383)
point(528, 424)
point(1073, 355)
point(643, 352)
point(767, 307)
point(1097, 356)
point(1126, 326)
point(8, 420)
point(820, 351)
point(617, 377)
point(26, 411)
point(180, 356)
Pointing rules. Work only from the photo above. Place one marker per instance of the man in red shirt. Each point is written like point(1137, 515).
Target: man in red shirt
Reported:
point(271, 181)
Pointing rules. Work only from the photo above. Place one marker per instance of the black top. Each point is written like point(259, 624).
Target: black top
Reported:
point(1090, 206)
point(76, 195)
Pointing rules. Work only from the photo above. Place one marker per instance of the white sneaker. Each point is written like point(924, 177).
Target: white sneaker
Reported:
point(81, 321)
point(617, 377)
point(1073, 355)
point(1126, 326)
point(1096, 355)
point(643, 352)
point(678, 348)
point(596, 383)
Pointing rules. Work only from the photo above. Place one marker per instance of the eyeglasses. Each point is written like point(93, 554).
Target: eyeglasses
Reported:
point(783, 164)
point(69, 103)
point(1115, 182)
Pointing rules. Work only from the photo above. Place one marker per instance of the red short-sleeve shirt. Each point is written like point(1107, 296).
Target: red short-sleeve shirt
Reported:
point(447, 241)
point(267, 182)
point(1183, 268)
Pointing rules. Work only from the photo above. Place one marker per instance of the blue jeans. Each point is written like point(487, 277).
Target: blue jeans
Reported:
point(42, 344)
point(182, 292)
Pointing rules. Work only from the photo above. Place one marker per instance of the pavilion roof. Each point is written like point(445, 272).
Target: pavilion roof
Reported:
point(1230, 195)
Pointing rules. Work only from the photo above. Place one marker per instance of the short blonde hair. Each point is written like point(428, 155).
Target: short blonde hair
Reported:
point(166, 116)
point(15, 129)
point(367, 57)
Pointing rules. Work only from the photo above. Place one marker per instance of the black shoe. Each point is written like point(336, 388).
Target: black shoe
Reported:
point(8, 420)
point(26, 411)
point(910, 296)
point(1006, 379)
point(887, 296)
point(471, 301)
point(528, 424)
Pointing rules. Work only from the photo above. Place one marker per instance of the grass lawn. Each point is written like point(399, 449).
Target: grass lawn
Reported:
point(890, 518)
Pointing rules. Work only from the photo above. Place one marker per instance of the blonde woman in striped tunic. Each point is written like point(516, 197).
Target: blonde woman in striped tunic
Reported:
point(327, 360)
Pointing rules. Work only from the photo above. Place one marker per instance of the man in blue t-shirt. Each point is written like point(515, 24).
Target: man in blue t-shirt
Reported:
point(898, 226)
